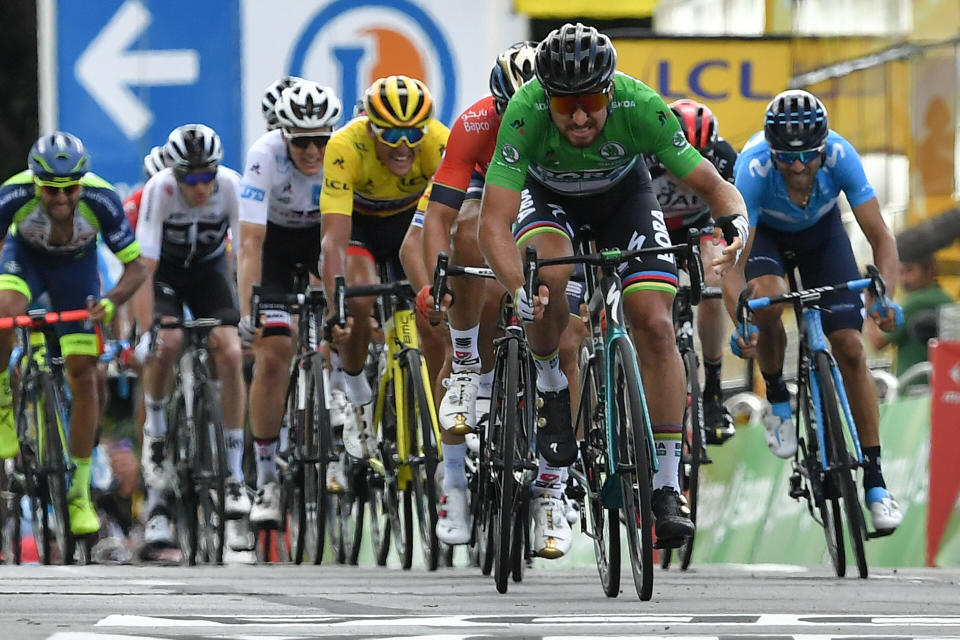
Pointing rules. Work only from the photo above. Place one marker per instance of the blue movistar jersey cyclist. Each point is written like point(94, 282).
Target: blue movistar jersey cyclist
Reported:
point(765, 192)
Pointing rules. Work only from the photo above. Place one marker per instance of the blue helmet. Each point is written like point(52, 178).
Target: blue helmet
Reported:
point(58, 157)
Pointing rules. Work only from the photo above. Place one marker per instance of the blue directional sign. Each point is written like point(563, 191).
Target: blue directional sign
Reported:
point(129, 71)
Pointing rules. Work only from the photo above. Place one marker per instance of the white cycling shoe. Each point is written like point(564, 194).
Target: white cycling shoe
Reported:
point(884, 510)
point(266, 505)
point(780, 431)
point(155, 466)
point(458, 409)
point(336, 479)
point(453, 523)
point(552, 536)
point(343, 414)
point(237, 504)
point(157, 530)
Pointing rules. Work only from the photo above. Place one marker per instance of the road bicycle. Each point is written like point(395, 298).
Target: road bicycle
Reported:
point(824, 467)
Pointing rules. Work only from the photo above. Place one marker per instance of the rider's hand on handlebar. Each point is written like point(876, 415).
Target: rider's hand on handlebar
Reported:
point(340, 334)
point(745, 348)
point(102, 309)
point(735, 229)
point(530, 310)
point(888, 315)
point(426, 303)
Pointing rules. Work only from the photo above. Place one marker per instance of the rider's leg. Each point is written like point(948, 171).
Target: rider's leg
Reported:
point(81, 373)
point(268, 392)
point(712, 327)
point(225, 343)
point(12, 303)
point(361, 270)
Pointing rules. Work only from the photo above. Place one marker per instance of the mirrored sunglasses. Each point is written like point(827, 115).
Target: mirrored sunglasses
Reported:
point(53, 188)
point(589, 102)
point(394, 136)
point(789, 157)
point(193, 179)
point(304, 140)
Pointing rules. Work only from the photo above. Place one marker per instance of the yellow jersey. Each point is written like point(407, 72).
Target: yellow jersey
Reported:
point(355, 181)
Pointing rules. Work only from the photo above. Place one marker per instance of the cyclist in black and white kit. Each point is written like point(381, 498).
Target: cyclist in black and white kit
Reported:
point(185, 213)
point(280, 226)
point(683, 209)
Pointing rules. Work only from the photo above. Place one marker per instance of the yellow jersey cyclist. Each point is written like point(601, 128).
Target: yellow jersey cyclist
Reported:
point(568, 156)
point(375, 171)
point(280, 232)
point(58, 208)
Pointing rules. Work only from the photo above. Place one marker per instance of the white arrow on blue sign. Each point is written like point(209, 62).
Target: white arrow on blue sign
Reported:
point(127, 72)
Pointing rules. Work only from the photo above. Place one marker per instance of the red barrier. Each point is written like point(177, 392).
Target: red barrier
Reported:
point(944, 440)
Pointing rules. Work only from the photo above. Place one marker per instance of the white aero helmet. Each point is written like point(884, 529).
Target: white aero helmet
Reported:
point(154, 162)
point(308, 105)
point(193, 146)
point(270, 97)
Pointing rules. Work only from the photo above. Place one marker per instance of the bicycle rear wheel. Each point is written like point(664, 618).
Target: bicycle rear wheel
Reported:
point(693, 448)
point(53, 462)
point(10, 493)
point(633, 464)
point(838, 456)
point(603, 524)
point(504, 421)
point(423, 447)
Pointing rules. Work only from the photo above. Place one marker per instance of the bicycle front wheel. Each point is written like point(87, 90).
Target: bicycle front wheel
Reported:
point(423, 446)
point(633, 463)
point(841, 461)
point(210, 472)
point(693, 449)
point(183, 449)
point(504, 420)
point(53, 464)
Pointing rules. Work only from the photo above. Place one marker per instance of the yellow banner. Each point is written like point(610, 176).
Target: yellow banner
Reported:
point(586, 8)
point(735, 78)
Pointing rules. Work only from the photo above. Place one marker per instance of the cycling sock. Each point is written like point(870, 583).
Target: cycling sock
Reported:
point(266, 465)
point(156, 500)
point(485, 389)
point(358, 389)
point(711, 386)
point(550, 480)
point(6, 393)
point(284, 434)
point(550, 378)
point(156, 423)
point(234, 440)
point(336, 372)
point(80, 483)
point(776, 387)
point(454, 474)
point(669, 446)
point(872, 476)
point(466, 357)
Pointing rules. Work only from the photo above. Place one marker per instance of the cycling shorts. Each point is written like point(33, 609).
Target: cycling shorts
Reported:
point(475, 188)
point(206, 287)
point(626, 216)
point(379, 239)
point(824, 257)
point(286, 252)
point(68, 280)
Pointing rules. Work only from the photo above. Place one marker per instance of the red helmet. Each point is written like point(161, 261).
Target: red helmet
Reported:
point(698, 124)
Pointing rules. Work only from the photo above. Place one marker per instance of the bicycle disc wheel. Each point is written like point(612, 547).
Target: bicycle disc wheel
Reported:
point(181, 446)
point(505, 429)
point(633, 464)
point(837, 454)
point(692, 454)
point(602, 524)
point(53, 461)
point(423, 445)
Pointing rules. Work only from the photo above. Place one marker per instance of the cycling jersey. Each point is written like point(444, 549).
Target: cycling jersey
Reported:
point(469, 149)
point(131, 208)
point(173, 231)
point(98, 211)
point(765, 192)
point(638, 121)
point(274, 189)
point(681, 206)
point(355, 181)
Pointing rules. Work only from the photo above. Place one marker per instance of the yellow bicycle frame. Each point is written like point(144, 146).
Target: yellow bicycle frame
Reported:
point(400, 332)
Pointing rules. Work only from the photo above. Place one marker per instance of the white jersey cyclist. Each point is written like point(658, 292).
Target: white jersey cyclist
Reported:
point(172, 231)
point(274, 191)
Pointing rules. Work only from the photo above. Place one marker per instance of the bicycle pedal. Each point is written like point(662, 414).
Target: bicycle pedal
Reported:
point(669, 543)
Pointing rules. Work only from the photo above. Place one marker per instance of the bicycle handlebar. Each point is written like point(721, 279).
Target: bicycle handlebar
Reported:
point(41, 317)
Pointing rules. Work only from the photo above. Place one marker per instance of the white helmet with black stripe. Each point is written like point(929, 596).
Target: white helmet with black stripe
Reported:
point(154, 162)
point(271, 95)
point(308, 105)
point(193, 146)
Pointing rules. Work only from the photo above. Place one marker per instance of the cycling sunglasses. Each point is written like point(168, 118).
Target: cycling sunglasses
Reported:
point(393, 136)
point(52, 188)
point(589, 102)
point(789, 157)
point(193, 179)
point(304, 140)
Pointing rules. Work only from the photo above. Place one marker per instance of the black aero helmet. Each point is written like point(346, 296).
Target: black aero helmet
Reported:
point(575, 59)
point(796, 120)
point(512, 68)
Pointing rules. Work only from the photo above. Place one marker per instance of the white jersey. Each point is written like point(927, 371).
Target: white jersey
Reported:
point(274, 189)
point(171, 229)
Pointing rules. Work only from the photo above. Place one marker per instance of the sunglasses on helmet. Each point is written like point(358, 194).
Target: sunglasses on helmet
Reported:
point(393, 136)
point(305, 139)
point(789, 157)
point(193, 179)
point(589, 102)
point(51, 187)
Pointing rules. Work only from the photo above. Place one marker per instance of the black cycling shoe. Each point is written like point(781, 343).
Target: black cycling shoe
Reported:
point(673, 524)
point(717, 421)
point(555, 438)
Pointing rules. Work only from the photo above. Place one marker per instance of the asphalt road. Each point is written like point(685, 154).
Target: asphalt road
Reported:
point(278, 602)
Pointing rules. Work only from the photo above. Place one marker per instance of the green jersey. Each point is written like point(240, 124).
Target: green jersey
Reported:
point(638, 122)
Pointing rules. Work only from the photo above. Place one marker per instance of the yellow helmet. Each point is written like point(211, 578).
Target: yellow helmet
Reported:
point(398, 101)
